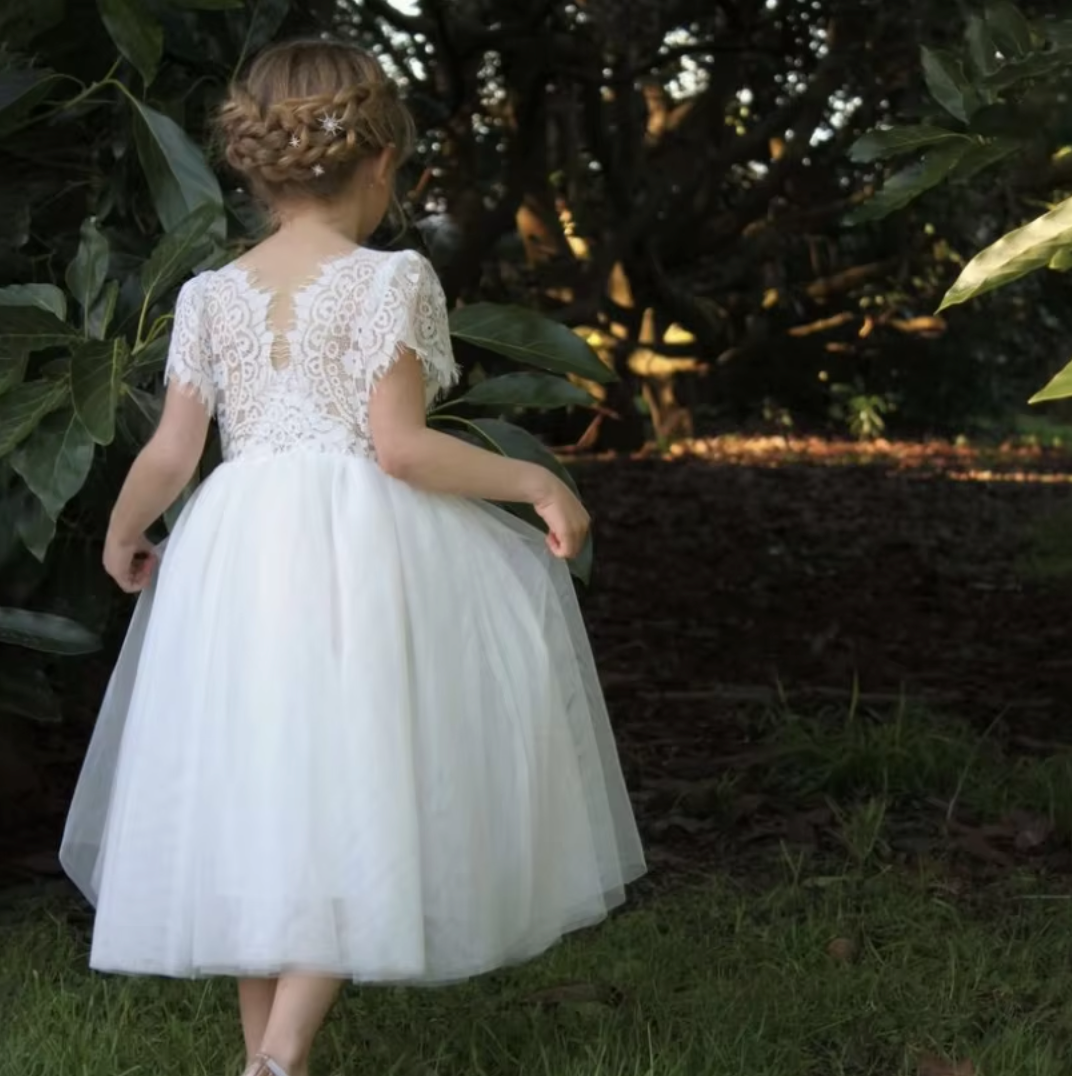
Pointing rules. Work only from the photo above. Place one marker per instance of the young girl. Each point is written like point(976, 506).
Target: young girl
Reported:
point(355, 731)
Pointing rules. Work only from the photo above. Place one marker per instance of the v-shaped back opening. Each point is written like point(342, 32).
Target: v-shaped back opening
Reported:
point(280, 316)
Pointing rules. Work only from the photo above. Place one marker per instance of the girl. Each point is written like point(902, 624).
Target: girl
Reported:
point(355, 731)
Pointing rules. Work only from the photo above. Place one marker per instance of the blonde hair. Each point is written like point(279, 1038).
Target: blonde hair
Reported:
point(307, 114)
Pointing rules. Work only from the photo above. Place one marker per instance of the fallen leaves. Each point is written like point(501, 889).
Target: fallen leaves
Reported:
point(930, 1065)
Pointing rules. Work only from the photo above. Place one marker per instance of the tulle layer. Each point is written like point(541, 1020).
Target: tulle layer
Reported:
point(355, 729)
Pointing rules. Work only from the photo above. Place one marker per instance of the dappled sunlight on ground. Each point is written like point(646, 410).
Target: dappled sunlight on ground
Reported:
point(967, 462)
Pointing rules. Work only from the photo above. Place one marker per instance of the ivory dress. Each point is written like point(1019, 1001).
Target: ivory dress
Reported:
point(355, 728)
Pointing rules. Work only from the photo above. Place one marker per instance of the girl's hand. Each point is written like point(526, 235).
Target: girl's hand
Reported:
point(130, 563)
point(566, 518)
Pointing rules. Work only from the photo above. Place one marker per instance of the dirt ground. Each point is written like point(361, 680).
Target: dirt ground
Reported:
point(742, 567)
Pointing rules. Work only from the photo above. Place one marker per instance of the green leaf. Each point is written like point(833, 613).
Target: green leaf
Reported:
point(86, 273)
point(540, 392)
point(46, 633)
point(1061, 262)
point(1060, 388)
point(528, 337)
point(1010, 29)
point(100, 316)
point(948, 84)
point(20, 93)
point(12, 371)
point(137, 35)
point(43, 296)
point(179, 251)
point(30, 328)
point(96, 375)
point(264, 24)
point(207, 5)
point(519, 444)
point(179, 178)
point(142, 414)
point(24, 406)
point(981, 47)
point(148, 361)
point(35, 527)
point(908, 184)
point(1038, 66)
point(982, 156)
point(25, 691)
point(880, 144)
point(1014, 255)
point(55, 460)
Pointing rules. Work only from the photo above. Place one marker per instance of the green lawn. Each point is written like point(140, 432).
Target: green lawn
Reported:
point(716, 981)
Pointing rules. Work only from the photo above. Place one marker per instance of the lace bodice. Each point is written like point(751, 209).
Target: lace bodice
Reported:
point(307, 386)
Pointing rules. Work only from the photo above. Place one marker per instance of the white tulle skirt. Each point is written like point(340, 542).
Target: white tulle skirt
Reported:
point(355, 730)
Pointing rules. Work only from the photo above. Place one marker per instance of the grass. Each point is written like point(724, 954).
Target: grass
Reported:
point(837, 964)
point(844, 976)
point(909, 754)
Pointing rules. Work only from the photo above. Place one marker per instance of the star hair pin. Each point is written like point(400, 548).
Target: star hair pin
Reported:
point(331, 125)
point(318, 170)
point(295, 141)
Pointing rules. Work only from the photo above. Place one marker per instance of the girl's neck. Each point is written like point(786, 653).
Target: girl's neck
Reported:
point(318, 223)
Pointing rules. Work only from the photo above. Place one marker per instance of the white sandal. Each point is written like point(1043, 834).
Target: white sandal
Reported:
point(263, 1065)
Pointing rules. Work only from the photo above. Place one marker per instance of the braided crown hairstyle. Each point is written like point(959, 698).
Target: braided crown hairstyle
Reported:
point(307, 114)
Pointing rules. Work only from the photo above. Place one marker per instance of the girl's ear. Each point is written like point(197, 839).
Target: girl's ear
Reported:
point(383, 166)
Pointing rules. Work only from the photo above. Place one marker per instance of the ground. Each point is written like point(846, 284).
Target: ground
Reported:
point(840, 685)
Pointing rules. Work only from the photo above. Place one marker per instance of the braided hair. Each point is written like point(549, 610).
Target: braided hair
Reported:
point(307, 114)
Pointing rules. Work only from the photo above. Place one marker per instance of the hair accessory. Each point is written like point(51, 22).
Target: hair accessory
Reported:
point(295, 141)
point(331, 125)
point(318, 169)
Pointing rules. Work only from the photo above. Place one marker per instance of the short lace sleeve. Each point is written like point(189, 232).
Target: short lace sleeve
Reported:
point(189, 362)
point(411, 313)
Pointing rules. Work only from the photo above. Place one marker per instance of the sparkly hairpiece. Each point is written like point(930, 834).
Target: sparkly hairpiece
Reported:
point(332, 125)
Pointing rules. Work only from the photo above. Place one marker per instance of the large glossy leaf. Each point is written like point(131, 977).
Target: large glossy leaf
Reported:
point(100, 316)
point(136, 33)
point(519, 444)
point(1034, 66)
point(264, 22)
point(20, 93)
point(1060, 388)
point(539, 392)
point(1010, 29)
point(981, 156)
point(25, 691)
point(1014, 255)
point(905, 186)
point(179, 178)
point(981, 47)
point(179, 251)
point(30, 328)
point(96, 376)
point(529, 338)
point(87, 272)
point(948, 84)
point(43, 296)
point(12, 371)
point(46, 633)
point(148, 361)
point(24, 406)
point(878, 145)
point(55, 459)
point(35, 527)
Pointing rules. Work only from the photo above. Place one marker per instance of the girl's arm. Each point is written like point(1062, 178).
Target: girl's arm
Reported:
point(408, 450)
point(161, 472)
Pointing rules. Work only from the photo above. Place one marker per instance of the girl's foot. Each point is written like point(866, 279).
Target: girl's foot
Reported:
point(263, 1065)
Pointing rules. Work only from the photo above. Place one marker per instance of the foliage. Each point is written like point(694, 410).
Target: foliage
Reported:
point(91, 270)
point(1006, 88)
